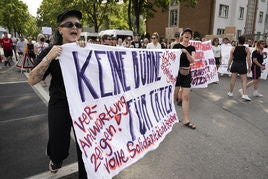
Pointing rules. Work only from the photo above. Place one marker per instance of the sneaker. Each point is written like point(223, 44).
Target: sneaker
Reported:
point(241, 91)
point(54, 167)
point(230, 94)
point(244, 96)
point(257, 94)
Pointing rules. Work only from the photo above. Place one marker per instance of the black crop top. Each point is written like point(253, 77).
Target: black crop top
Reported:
point(56, 88)
point(240, 53)
point(184, 62)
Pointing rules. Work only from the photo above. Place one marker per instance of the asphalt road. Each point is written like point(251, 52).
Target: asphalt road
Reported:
point(23, 128)
point(230, 142)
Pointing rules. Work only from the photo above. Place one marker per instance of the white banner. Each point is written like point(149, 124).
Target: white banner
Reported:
point(225, 52)
point(203, 70)
point(121, 102)
point(47, 30)
point(225, 55)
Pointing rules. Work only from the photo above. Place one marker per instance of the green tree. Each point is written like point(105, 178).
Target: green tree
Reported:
point(146, 9)
point(48, 11)
point(14, 16)
point(95, 12)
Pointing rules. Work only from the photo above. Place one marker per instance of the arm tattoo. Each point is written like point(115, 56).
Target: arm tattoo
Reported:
point(39, 72)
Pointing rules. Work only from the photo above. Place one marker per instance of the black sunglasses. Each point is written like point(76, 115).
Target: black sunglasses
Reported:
point(71, 24)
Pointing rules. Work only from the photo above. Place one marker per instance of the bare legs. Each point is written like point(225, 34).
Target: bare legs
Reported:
point(255, 83)
point(177, 94)
point(244, 82)
point(183, 94)
point(233, 80)
point(185, 104)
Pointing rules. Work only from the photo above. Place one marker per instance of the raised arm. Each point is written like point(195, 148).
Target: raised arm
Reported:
point(36, 75)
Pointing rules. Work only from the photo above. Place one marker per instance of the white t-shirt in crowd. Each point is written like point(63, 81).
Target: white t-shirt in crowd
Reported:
point(217, 51)
point(153, 46)
point(40, 47)
point(21, 45)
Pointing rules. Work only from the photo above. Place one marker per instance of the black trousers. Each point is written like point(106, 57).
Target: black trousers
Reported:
point(59, 127)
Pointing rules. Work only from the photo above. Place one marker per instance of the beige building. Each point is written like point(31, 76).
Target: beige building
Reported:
point(213, 17)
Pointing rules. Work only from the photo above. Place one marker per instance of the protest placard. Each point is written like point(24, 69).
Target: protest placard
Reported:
point(203, 70)
point(225, 51)
point(120, 101)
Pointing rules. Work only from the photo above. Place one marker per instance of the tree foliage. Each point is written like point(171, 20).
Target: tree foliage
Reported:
point(147, 9)
point(15, 17)
point(100, 14)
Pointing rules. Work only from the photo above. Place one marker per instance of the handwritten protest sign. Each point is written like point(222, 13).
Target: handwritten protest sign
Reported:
point(225, 55)
point(225, 50)
point(121, 102)
point(203, 70)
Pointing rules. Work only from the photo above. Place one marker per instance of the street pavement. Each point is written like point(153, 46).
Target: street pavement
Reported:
point(230, 142)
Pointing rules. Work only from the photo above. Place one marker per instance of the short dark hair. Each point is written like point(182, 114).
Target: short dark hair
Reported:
point(60, 18)
point(241, 39)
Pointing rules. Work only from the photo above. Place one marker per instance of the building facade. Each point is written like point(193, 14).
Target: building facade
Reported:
point(215, 17)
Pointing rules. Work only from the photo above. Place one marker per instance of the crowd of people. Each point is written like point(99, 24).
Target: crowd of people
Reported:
point(16, 48)
point(69, 30)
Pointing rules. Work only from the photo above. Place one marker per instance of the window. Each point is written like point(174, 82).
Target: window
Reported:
point(224, 9)
point(238, 33)
point(258, 35)
point(173, 17)
point(241, 13)
point(220, 31)
point(260, 17)
point(266, 19)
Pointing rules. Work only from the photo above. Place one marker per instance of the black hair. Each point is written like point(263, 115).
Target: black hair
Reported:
point(57, 38)
point(66, 14)
point(241, 39)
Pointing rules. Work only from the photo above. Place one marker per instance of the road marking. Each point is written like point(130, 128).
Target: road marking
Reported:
point(12, 82)
point(66, 170)
point(41, 92)
point(22, 118)
point(63, 172)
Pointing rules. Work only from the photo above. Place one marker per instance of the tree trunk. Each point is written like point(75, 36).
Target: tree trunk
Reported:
point(129, 15)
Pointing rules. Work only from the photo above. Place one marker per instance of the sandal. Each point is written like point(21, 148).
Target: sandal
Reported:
point(190, 125)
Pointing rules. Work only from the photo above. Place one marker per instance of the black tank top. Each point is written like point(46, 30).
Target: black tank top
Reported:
point(240, 53)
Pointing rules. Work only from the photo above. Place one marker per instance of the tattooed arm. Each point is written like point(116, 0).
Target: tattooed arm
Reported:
point(37, 74)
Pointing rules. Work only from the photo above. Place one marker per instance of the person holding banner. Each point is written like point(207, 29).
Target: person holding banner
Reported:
point(216, 51)
point(59, 119)
point(183, 83)
point(257, 66)
point(239, 63)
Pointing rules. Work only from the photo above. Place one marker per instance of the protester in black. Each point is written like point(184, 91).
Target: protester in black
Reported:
point(257, 66)
point(59, 119)
point(183, 84)
point(30, 48)
point(239, 63)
